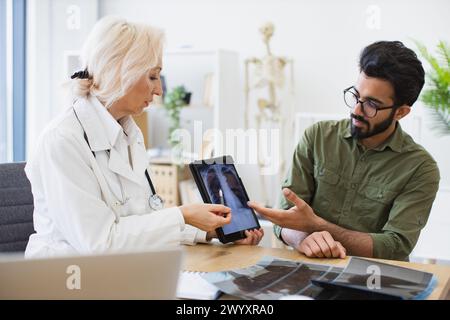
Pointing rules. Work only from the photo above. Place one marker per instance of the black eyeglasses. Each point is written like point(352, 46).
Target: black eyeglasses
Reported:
point(368, 107)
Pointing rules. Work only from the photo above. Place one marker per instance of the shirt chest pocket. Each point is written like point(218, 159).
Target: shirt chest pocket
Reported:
point(325, 198)
point(137, 205)
point(375, 203)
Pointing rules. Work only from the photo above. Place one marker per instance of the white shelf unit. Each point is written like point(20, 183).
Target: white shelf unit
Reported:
point(190, 68)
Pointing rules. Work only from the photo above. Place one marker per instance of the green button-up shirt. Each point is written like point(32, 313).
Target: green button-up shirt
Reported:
point(386, 192)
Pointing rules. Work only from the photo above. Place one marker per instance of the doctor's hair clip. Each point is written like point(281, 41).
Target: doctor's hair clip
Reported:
point(80, 75)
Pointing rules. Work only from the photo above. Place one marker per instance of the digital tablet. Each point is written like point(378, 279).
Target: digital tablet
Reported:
point(219, 183)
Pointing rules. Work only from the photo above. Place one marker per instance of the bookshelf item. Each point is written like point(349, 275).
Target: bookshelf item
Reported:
point(189, 192)
point(208, 94)
point(166, 178)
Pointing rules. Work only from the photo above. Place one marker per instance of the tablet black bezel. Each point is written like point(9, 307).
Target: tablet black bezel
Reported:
point(224, 238)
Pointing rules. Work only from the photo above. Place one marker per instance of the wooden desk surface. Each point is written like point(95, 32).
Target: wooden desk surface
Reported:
point(218, 257)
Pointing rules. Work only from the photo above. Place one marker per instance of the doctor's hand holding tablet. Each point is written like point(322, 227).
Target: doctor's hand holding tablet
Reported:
point(206, 217)
point(219, 183)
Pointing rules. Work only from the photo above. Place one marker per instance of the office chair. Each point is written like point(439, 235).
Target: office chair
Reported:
point(16, 208)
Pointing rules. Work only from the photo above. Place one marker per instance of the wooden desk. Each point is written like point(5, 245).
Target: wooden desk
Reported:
point(218, 257)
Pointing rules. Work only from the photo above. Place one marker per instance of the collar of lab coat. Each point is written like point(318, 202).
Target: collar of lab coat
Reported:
point(101, 128)
point(102, 131)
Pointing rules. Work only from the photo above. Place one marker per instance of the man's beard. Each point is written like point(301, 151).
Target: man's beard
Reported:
point(357, 132)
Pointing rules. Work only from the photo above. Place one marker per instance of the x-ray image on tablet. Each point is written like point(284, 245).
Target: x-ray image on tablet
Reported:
point(219, 183)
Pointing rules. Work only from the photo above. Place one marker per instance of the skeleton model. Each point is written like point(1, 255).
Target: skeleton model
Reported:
point(266, 77)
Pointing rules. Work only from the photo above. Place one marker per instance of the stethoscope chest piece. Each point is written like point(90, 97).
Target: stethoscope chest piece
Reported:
point(156, 202)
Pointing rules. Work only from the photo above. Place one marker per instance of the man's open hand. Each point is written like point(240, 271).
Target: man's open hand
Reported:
point(300, 217)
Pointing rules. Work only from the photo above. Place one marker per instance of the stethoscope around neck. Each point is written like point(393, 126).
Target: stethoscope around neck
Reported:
point(155, 201)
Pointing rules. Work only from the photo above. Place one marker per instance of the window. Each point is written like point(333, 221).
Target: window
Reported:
point(3, 103)
point(12, 80)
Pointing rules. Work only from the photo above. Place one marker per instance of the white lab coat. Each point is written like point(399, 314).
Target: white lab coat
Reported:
point(78, 199)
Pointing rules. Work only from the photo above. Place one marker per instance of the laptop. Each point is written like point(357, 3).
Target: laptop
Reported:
point(136, 275)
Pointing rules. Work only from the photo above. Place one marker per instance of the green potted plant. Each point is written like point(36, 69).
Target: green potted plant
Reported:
point(436, 95)
point(174, 100)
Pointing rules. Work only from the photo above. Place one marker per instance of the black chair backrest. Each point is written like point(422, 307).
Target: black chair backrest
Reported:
point(16, 208)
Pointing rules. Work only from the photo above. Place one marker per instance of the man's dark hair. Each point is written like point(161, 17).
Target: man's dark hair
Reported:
point(392, 61)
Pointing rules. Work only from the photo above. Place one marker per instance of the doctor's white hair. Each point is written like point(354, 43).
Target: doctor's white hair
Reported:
point(116, 54)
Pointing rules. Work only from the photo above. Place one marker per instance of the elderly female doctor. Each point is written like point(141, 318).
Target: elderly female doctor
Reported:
point(92, 191)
